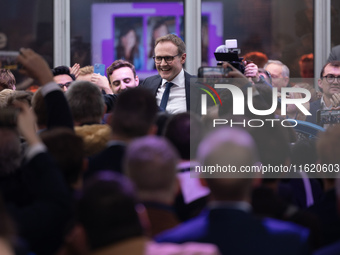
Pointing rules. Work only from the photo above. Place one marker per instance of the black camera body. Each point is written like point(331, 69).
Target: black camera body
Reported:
point(229, 53)
point(232, 58)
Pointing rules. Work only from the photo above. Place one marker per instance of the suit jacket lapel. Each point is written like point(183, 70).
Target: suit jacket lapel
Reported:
point(187, 89)
point(158, 83)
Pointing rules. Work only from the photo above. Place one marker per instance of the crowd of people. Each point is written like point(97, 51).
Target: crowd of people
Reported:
point(113, 165)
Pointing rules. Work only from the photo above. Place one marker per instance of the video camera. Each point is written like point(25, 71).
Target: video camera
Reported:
point(229, 53)
point(223, 53)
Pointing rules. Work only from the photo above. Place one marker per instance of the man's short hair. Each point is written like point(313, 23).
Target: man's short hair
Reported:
point(67, 149)
point(223, 147)
point(119, 64)
point(285, 69)
point(39, 108)
point(134, 113)
point(151, 164)
point(86, 102)
point(4, 95)
point(86, 70)
point(175, 40)
point(22, 96)
point(7, 79)
point(107, 210)
point(335, 63)
point(59, 70)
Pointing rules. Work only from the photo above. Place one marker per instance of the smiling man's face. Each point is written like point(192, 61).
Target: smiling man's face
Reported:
point(122, 79)
point(169, 70)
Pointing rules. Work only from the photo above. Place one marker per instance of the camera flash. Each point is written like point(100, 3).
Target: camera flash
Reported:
point(231, 43)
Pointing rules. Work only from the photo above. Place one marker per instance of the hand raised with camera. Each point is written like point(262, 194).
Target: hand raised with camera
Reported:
point(240, 80)
point(251, 72)
point(34, 66)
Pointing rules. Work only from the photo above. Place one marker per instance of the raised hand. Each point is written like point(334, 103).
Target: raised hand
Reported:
point(34, 66)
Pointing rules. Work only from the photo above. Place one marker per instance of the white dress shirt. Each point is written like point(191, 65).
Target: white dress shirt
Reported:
point(177, 97)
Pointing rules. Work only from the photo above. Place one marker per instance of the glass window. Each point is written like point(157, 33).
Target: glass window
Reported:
point(282, 29)
point(27, 23)
point(335, 23)
point(103, 31)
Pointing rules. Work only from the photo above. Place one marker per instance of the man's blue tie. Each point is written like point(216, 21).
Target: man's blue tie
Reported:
point(165, 96)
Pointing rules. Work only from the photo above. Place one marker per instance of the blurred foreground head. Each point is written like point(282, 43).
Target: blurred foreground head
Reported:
point(107, 210)
point(231, 148)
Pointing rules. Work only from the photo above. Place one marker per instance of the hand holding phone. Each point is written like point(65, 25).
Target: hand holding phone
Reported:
point(102, 82)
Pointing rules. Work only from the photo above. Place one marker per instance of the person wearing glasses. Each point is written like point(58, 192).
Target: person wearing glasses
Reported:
point(63, 77)
point(329, 84)
point(172, 84)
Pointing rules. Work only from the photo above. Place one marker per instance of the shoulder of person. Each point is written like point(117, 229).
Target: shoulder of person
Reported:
point(275, 226)
point(188, 75)
point(150, 80)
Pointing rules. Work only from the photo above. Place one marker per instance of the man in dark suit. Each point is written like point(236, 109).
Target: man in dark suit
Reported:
point(329, 83)
point(172, 85)
point(228, 221)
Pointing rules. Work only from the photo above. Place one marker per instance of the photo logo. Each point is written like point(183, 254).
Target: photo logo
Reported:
point(238, 100)
point(204, 97)
point(238, 107)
